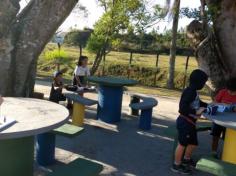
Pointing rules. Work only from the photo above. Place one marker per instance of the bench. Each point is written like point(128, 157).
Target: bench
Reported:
point(216, 167)
point(146, 106)
point(46, 143)
point(171, 131)
point(79, 104)
point(79, 167)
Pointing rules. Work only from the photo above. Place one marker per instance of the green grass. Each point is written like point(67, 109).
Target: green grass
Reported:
point(117, 64)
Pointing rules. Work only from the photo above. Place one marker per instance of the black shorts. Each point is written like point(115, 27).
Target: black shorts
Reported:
point(187, 133)
point(218, 130)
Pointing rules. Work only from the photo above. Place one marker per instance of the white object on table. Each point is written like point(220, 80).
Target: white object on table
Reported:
point(6, 122)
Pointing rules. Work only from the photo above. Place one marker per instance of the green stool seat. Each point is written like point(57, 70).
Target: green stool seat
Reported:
point(79, 167)
point(216, 167)
point(68, 130)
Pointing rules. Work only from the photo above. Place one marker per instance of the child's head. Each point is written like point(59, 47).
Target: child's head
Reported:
point(83, 61)
point(198, 79)
point(231, 84)
point(57, 76)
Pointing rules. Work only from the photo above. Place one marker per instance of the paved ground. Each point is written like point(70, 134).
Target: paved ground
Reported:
point(122, 148)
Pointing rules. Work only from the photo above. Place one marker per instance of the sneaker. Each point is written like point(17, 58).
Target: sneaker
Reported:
point(189, 163)
point(215, 155)
point(181, 169)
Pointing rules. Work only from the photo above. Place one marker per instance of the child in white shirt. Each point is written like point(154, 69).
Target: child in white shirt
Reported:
point(81, 72)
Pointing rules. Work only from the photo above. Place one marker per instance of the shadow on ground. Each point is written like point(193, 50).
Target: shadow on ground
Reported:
point(126, 151)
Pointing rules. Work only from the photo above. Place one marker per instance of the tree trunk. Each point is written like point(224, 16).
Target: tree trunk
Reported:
point(203, 14)
point(171, 75)
point(97, 62)
point(22, 39)
point(215, 48)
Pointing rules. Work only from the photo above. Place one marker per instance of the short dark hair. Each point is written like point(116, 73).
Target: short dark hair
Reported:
point(81, 59)
point(198, 79)
point(231, 84)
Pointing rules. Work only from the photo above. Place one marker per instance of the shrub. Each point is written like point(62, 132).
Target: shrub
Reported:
point(57, 57)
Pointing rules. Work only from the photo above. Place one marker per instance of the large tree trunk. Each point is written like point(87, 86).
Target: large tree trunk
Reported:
point(171, 75)
point(23, 37)
point(97, 62)
point(215, 48)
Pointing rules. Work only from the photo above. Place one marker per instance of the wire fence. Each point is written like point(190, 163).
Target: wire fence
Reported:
point(149, 69)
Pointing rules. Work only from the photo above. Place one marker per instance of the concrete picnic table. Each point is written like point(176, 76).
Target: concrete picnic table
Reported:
point(110, 94)
point(228, 120)
point(33, 117)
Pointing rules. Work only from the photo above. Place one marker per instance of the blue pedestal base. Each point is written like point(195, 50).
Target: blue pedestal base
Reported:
point(145, 119)
point(45, 149)
point(109, 103)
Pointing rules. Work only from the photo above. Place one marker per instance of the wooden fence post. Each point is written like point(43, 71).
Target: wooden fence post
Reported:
point(157, 64)
point(130, 63)
point(186, 70)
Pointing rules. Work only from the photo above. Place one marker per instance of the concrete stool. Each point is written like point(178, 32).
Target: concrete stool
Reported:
point(146, 106)
point(79, 104)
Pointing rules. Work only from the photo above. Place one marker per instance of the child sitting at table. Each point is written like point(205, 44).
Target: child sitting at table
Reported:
point(56, 89)
point(225, 96)
point(81, 72)
point(190, 109)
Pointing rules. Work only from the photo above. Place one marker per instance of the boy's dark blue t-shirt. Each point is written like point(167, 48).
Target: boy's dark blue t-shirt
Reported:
point(190, 103)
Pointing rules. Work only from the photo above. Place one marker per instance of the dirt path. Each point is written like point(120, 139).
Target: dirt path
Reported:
point(122, 148)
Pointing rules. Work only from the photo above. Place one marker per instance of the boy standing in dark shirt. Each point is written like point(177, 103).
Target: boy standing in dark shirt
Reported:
point(190, 109)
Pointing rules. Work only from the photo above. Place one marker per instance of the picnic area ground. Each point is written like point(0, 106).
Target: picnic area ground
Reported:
point(123, 149)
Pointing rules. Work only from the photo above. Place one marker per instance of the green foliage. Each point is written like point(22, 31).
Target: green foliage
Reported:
point(195, 13)
point(56, 57)
point(117, 63)
point(78, 37)
point(190, 13)
point(120, 17)
point(153, 41)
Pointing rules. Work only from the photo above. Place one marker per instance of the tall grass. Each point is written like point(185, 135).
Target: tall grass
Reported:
point(143, 66)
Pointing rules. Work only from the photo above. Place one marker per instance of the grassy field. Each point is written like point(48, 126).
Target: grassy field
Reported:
point(117, 64)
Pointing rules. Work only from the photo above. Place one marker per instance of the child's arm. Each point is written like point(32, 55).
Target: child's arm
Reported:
point(203, 104)
point(78, 81)
point(58, 86)
point(200, 111)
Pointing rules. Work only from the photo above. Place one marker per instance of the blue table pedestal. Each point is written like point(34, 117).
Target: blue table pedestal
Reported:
point(109, 103)
point(145, 119)
point(45, 149)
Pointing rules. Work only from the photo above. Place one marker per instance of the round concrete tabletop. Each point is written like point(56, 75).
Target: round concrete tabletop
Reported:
point(227, 120)
point(112, 81)
point(33, 116)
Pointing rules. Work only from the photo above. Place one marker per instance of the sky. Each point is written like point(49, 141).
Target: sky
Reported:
point(95, 12)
